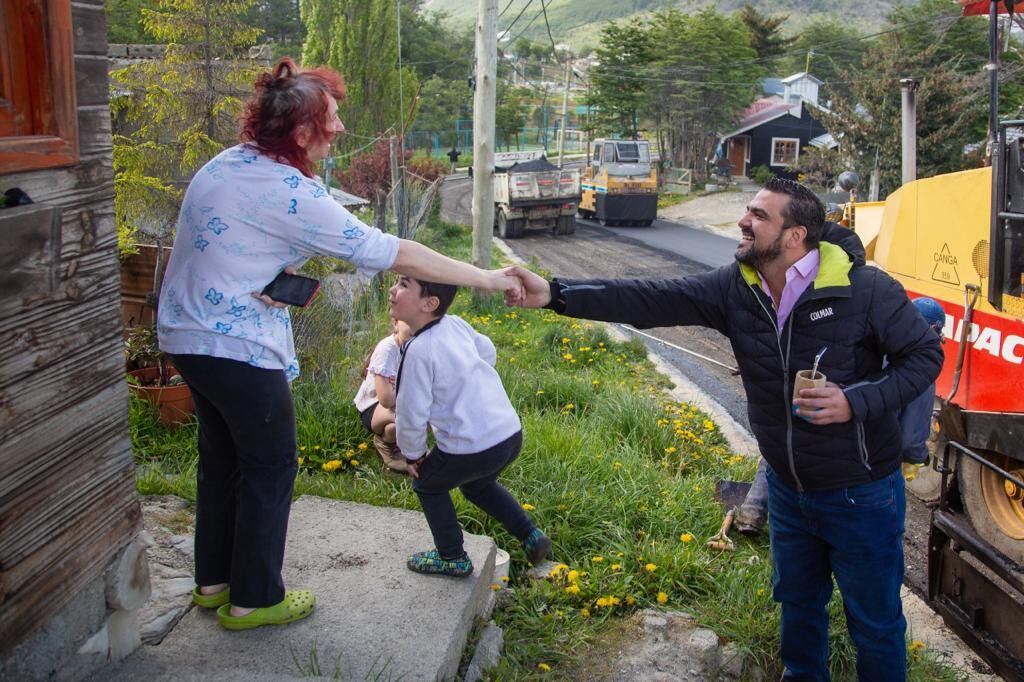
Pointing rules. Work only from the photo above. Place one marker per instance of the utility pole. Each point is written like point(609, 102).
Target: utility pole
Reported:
point(565, 109)
point(483, 131)
point(908, 93)
point(397, 187)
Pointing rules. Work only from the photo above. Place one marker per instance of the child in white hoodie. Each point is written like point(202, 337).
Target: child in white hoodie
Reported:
point(447, 380)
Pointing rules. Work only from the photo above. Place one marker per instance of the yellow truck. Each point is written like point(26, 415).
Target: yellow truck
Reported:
point(620, 183)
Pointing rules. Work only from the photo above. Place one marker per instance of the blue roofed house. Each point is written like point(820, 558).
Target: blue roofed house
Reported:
point(775, 128)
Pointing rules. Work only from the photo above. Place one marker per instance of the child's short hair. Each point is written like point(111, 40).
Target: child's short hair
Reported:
point(445, 294)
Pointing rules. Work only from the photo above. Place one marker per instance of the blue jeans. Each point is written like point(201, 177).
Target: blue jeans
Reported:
point(916, 426)
point(855, 534)
point(476, 475)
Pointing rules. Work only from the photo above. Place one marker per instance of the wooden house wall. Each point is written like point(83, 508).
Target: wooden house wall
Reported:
point(67, 493)
point(805, 128)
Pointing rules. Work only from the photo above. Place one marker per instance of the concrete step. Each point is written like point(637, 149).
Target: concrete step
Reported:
point(374, 618)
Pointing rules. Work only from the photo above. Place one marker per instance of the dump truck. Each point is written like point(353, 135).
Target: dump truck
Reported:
point(620, 184)
point(959, 239)
point(531, 193)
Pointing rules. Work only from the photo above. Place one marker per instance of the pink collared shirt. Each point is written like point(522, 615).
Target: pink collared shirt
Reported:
point(799, 276)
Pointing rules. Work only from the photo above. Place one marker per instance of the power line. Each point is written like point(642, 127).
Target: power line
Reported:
point(544, 9)
point(525, 7)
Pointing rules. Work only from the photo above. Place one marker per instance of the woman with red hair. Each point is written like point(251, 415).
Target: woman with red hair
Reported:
point(251, 212)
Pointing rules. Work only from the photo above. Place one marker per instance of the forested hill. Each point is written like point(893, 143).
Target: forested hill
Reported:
point(578, 22)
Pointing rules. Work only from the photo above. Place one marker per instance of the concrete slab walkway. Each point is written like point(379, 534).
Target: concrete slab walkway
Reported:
point(374, 618)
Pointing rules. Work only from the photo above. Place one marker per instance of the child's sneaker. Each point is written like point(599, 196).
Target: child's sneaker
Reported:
point(537, 547)
point(431, 562)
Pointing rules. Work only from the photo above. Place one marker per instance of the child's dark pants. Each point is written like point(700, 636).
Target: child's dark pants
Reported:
point(247, 469)
point(476, 476)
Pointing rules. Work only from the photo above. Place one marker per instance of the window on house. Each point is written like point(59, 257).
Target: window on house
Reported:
point(785, 151)
point(38, 120)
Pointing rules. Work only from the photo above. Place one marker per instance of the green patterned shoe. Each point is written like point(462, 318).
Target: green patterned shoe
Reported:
point(431, 562)
point(537, 547)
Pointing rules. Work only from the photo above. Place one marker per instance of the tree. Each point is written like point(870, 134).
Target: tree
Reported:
point(359, 38)
point(440, 103)
point(765, 35)
point(961, 43)
point(124, 21)
point(829, 48)
point(867, 123)
point(703, 75)
point(281, 23)
point(172, 115)
point(510, 112)
point(431, 47)
point(617, 90)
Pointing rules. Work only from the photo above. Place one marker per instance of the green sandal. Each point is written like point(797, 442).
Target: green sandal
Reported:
point(297, 604)
point(211, 601)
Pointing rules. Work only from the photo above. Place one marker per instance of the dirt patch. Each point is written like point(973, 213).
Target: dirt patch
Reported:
point(717, 212)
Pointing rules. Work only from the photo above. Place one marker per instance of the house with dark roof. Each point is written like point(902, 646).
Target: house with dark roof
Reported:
point(775, 128)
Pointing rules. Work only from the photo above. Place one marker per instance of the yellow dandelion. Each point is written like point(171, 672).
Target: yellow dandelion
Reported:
point(354, 462)
point(662, 598)
point(569, 406)
point(760, 591)
point(302, 448)
point(495, 586)
point(527, 506)
point(670, 449)
point(709, 425)
point(362, 446)
point(573, 576)
point(331, 465)
point(630, 600)
point(916, 646)
point(573, 589)
point(558, 570)
point(544, 667)
point(597, 559)
point(616, 465)
point(301, 460)
point(316, 447)
point(585, 613)
point(565, 340)
point(504, 579)
point(686, 537)
point(567, 356)
point(595, 382)
point(615, 567)
point(540, 392)
point(651, 568)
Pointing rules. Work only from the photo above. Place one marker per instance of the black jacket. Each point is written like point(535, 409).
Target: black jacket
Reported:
point(859, 312)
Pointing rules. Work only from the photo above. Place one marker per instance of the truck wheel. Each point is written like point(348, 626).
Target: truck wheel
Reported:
point(502, 225)
point(514, 228)
point(994, 505)
point(565, 224)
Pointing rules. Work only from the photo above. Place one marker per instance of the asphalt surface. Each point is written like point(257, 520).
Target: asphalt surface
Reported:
point(668, 250)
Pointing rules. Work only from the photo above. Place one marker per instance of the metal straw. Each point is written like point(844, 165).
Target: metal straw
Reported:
point(817, 359)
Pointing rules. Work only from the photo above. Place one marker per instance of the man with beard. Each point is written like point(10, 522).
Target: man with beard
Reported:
point(836, 497)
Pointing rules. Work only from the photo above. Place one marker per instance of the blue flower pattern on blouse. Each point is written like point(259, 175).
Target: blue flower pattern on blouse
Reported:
point(246, 207)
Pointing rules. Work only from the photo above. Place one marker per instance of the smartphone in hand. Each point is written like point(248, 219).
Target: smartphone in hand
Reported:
point(292, 289)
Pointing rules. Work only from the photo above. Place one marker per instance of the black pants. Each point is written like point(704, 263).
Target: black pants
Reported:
point(247, 466)
point(476, 476)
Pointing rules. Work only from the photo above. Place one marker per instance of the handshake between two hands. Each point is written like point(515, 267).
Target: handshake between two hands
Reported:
point(522, 288)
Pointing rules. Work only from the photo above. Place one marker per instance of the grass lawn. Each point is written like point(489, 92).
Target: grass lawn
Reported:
point(619, 475)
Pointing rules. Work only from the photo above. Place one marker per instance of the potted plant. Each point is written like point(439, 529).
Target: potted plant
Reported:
point(152, 377)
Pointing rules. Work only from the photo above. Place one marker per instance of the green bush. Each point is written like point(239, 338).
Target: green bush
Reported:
point(761, 174)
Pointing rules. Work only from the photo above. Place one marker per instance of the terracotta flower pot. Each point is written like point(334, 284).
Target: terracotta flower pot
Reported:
point(174, 403)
